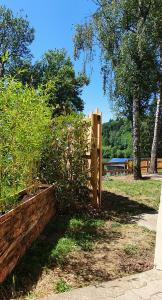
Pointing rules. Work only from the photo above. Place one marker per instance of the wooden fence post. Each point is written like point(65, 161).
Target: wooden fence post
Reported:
point(100, 157)
point(96, 158)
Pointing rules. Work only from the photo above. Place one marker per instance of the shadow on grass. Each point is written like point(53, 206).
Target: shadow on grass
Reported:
point(38, 258)
point(123, 209)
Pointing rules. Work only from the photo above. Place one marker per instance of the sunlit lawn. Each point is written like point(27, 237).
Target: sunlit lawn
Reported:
point(145, 191)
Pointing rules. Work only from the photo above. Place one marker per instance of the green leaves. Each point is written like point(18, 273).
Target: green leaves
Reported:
point(125, 32)
point(117, 139)
point(15, 37)
point(63, 87)
point(64, 160)
point(24, 123)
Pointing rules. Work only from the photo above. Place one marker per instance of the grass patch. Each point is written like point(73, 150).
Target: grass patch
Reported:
point(84, 250)
point(143, 191)
point(115, 225)
point(76, 224)
point(85, 222)
point(131, 249)
point(84, 230)
point(62, 286)
point(85, 242)
point(63, 248)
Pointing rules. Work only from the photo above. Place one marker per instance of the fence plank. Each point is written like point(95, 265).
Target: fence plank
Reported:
point(95, 157)
point(100, 156)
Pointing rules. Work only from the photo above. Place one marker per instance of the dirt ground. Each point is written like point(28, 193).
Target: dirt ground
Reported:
point(115, 255)
point(107, 245)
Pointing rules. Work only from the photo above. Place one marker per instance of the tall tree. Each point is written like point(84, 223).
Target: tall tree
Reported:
point(155, 30)
point(118, 28)
point(16, 35)
point(156, 138)
point(63, 87)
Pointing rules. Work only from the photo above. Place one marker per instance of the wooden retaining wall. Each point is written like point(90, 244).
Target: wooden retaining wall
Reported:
point(21, 226)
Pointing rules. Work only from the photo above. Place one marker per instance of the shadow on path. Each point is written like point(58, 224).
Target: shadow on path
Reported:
point(123, 209)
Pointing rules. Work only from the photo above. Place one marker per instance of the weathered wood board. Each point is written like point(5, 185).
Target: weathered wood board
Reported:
point(21, 226)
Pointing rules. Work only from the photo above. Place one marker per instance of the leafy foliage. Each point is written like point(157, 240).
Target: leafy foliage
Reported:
point(131, 249)
point(122, 31)
point(63, 247)
point(55, 72)
point(24, 123)
point(117, 137)
point(15, 38)
point(64, 161)
point(62, 286)
point(128, 35)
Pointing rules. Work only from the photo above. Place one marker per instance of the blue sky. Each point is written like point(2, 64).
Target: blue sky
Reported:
point(54, 22)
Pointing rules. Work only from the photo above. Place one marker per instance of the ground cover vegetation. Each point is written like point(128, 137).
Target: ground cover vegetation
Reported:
point(90, 247)
point(129, 37)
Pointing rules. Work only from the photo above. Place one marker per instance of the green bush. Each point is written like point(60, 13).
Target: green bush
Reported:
point(64, 161)
point(33, 145)
point(24, 127)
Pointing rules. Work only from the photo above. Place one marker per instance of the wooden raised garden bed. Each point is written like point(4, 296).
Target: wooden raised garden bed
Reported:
point(22, 225)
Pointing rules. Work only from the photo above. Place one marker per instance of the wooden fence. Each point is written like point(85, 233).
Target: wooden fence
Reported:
point(145, 165)
point(95, 157)
point(128, 167)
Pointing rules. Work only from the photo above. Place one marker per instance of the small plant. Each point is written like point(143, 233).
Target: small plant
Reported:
point(76, 224)
point(62, 249)
point(86, 245)
point(115, 225)
point(62, 286)
point(86, 222)
point(95, 223)
point(131, 249)
point(31, 295)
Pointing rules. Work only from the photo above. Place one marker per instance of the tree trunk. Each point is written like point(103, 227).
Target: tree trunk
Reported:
point(154, 150)
point(1, 68)
point(136, 140)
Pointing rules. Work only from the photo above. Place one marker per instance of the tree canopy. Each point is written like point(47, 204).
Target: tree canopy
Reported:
point(117, 137)
point(127, 34)
point(16, 35)
point(55, 72)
